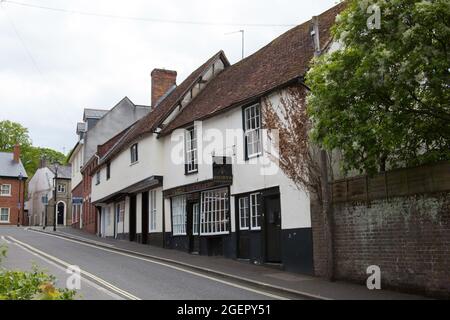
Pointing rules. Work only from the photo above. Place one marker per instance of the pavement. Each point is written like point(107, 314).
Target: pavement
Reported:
point(276, 283)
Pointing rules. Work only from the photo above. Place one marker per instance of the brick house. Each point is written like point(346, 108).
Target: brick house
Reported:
point(12, 188)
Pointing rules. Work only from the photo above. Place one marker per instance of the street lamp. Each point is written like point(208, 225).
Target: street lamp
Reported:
point(56, 165)
point(19, 204)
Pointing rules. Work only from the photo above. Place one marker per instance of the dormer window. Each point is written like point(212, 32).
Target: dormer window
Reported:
point(191, 163)
point(252, 129)
point(134, 153)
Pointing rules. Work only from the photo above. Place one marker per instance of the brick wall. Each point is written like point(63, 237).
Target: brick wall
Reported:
point(12, 201)
point(89, 211)
point(408, 237)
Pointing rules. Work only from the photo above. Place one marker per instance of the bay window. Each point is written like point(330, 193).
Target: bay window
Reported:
point(214, 212)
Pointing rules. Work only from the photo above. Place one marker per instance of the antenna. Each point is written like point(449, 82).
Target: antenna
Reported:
point(243, 40)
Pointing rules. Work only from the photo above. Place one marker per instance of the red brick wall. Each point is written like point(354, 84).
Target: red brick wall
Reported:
point(162, 81)
point(12, 201)
point(407, 237)
point(89, 211)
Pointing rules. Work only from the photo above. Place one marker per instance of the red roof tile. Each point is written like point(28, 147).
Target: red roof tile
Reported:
point(281, 61)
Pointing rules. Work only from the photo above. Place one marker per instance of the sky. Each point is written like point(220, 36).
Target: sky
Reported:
point(53, 64)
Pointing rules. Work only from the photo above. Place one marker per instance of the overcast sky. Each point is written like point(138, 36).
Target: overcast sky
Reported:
point(55, 64)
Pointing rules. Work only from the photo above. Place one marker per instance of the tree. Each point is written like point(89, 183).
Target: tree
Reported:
point(296, 157)
point(382, 99)
point(12, 133)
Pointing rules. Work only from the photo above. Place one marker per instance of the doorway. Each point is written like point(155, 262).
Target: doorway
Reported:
point(133, 199)
point(61, 212)
point(273, 228)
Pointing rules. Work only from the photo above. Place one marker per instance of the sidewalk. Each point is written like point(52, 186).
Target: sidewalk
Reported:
point(273, 279)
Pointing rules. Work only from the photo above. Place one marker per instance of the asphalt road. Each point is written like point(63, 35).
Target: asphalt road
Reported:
point(112, 275)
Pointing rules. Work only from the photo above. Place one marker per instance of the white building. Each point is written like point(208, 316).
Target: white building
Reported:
point(195, 174)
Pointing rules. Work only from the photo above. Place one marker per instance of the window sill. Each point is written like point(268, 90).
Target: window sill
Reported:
point(191, 173)
point(5, 196)
point(5, 222)
point(179, 235)
point(134, 163)
point(254, 156)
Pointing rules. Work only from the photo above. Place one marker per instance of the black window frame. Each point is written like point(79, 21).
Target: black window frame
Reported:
point(134, 153)
point(108, 171)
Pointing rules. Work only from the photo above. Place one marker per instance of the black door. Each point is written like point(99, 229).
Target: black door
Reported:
point(60, 213)
point(133, 218)
point(193, 225)
point(145, 213)
point(273, 229)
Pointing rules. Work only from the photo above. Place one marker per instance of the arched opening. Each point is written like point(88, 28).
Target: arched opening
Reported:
point(61, 210)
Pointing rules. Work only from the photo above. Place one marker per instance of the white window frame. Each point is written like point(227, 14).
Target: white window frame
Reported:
point(152, 227)
point(179, 216)
point(9, 215)
point(214, 212)
point(2, 194)
point(191, 151)
point(196, 219)
point(252, 129)
point(258, 213)
point(61, 188)
point(244, 213)
point(98, 178)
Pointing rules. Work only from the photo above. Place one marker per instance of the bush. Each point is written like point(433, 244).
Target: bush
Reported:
point(34, 285)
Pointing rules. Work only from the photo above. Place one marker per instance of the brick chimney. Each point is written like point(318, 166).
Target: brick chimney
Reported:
point(162, 82)
point(16, 153)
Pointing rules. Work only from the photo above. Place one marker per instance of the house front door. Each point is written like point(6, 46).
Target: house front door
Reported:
point(193, 221)
point(60, 219)
point(273, 228)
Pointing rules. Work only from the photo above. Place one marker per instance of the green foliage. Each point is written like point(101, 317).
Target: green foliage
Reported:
point(12, 133)
point(383, 98)
point(34, 285)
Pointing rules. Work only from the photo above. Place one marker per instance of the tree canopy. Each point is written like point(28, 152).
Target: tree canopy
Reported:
point(383, 97)
point(12, 133)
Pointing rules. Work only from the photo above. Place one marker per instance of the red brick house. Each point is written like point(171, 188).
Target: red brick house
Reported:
point(12, 188)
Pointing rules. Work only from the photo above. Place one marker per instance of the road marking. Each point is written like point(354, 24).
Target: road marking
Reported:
point(87, 281)
point(85, 273)
point(270, 295)
point(6, 240)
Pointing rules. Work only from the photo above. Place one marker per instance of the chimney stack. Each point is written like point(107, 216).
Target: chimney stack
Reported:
point(16, 153)
point(162, 82)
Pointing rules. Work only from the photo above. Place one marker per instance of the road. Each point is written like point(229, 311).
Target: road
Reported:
point(108, 275)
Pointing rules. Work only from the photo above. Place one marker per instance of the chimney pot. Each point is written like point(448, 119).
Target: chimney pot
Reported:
point(162, 81)
point(16, 153)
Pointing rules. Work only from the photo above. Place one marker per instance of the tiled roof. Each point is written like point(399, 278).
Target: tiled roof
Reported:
point(64, 172)
point(281, 61)
point(103, 149)
point(150, 122)
point(9, 168)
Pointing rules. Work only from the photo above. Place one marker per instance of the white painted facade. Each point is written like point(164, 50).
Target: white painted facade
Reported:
point(248, 176)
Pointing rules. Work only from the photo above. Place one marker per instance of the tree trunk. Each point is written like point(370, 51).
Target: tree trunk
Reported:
point(327, 211)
